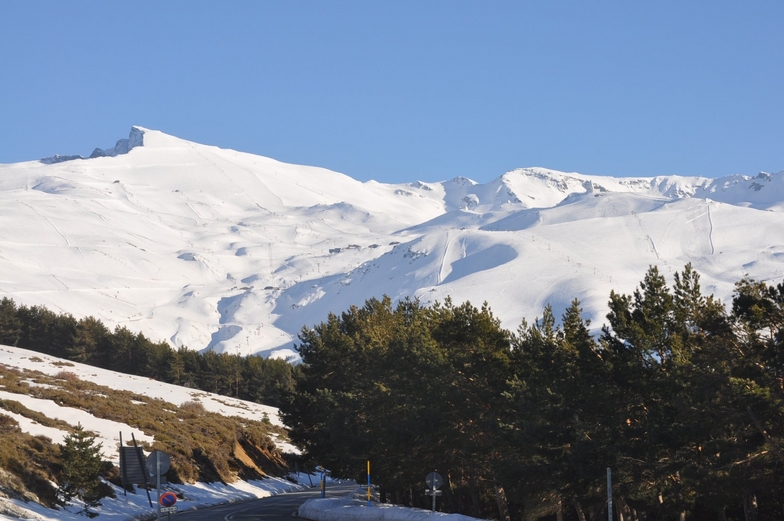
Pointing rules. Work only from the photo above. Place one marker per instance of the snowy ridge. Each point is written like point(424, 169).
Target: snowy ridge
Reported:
point(212, 248)
point(123, 146)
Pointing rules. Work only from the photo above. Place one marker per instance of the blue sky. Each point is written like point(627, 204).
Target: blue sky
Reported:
point(400, 91)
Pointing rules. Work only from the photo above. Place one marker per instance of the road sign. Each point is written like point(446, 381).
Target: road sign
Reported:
point(168, 510)
point(132, 465)
point(167, 499)
point(152, 462)
point(434, 480)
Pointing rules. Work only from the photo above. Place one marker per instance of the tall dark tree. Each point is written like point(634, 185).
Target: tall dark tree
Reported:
point(10, 325)
point(91, 343)
point(46, 332)
point(757, 387)
point(413, 389)
point(477, 352)
point(560, 406)
point(649, 352)
point(266, 380)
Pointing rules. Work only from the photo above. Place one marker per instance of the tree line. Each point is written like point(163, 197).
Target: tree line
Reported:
point(89, 341)
point(681, 398)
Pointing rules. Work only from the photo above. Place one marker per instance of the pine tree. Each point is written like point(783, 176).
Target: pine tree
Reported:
point(91, 343)
point(648, 351)
point(80, 456)
point(10, 325)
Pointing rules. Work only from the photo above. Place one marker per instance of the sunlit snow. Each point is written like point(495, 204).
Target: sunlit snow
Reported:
point(211, 248)
point(131, 505)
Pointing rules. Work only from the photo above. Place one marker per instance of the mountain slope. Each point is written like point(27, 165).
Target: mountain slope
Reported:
point(47, 397)
point(212, 248)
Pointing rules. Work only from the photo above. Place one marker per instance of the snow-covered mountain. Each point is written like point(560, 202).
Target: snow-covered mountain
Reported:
point(217, 249)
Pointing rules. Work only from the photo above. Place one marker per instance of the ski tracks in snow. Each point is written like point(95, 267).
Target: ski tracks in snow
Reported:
point(228, 176)
point(710, 224)
point(710, 230)
point(61, 234)
point(42, 216)
point(647, 235)
point(445, 254)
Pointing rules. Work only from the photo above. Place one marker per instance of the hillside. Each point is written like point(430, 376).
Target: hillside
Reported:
point(216, 249)
point(221, 449)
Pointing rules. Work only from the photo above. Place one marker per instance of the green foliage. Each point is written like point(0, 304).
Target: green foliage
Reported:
point(29, 464)
point(80, 457)
point(558, 403)
point(89, 341)
point(203, 446)
point(10, 325)
point(413, 389)
point(683, 401)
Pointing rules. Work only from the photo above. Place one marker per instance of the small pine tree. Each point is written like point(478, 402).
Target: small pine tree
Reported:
point(80, 456)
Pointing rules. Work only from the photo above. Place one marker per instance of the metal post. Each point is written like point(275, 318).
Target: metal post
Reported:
point(609, 495)
point(143, 467)
point(158, 480)
point(124, 468)
point(323, 483)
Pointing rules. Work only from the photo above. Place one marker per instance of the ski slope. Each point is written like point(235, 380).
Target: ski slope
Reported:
point(210, 248)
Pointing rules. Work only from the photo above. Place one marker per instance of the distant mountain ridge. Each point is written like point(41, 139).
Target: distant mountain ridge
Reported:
point(218, 249)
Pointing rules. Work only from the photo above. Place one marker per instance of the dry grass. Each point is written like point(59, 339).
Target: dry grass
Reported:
point(203, 446)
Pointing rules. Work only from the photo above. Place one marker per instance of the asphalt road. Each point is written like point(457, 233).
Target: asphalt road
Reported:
point(274, 508)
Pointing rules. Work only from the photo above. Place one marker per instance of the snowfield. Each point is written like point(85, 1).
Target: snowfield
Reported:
point(216, 249)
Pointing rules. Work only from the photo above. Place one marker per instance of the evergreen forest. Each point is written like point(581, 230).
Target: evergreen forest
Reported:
point(89, 341)
point(679, 397)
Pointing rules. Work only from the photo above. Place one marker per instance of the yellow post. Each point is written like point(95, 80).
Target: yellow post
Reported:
point(368, 482)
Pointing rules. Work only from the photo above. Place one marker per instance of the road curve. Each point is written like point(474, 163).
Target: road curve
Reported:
point(273, 508)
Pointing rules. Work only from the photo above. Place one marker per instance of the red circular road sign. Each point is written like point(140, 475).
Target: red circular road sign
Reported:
point(167, 499)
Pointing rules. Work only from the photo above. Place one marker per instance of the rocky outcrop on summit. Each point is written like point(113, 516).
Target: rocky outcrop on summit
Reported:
point(57, 158)
point(123, 146)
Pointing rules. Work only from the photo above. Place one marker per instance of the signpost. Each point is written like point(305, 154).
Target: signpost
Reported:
point(132, 467)
point(434, 481)
point(152, 463)
point(158, 463)
point(167, 499)
point(323, 473)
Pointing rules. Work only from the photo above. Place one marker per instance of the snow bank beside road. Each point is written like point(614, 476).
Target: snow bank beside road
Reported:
point(135, 506)
point(347, 509)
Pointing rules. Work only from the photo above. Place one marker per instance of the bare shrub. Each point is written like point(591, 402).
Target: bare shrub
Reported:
point(192, 409)
point(67, 376)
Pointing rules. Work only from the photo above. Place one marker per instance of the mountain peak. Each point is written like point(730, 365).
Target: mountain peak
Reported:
point(214, 248)
point(123, 146)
